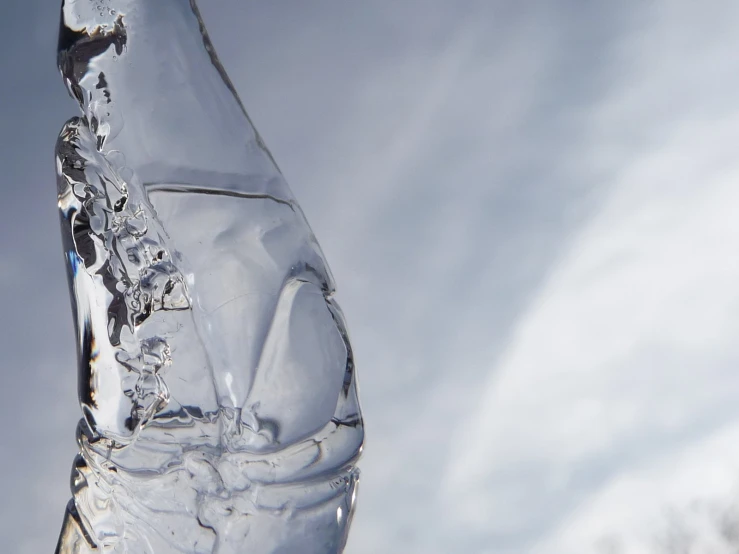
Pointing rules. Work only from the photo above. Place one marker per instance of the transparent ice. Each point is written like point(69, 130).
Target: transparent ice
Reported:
point(216, 381)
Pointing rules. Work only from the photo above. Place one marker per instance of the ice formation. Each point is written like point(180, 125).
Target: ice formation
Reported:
point(216, 378)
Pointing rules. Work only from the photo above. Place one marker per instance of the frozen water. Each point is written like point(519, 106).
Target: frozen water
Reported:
point(215, 375)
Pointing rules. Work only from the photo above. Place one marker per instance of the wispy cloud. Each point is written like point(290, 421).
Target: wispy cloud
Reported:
point(628, 352)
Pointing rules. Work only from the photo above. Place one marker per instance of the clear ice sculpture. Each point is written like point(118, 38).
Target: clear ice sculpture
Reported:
point(216, 380)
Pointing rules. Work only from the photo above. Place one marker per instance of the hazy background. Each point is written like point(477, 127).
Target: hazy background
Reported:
point(531, 210)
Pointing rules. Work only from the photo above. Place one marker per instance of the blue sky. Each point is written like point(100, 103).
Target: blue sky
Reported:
point(530, 211)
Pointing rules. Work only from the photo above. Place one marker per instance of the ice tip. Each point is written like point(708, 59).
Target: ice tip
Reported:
point(86, 30)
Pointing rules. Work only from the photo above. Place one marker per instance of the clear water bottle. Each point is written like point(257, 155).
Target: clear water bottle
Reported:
point(216, 378)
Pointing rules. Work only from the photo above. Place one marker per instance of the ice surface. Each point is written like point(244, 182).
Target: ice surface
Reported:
point(216, 378)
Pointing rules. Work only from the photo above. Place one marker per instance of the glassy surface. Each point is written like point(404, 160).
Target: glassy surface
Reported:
point(216, 378)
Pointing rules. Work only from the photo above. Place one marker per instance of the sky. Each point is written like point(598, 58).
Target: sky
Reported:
point(530, 212)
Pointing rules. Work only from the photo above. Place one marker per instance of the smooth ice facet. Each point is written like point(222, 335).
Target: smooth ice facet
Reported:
point(216, 378)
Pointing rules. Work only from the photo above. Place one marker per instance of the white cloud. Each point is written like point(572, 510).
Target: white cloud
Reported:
point(629, 350)
point(692, 487)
